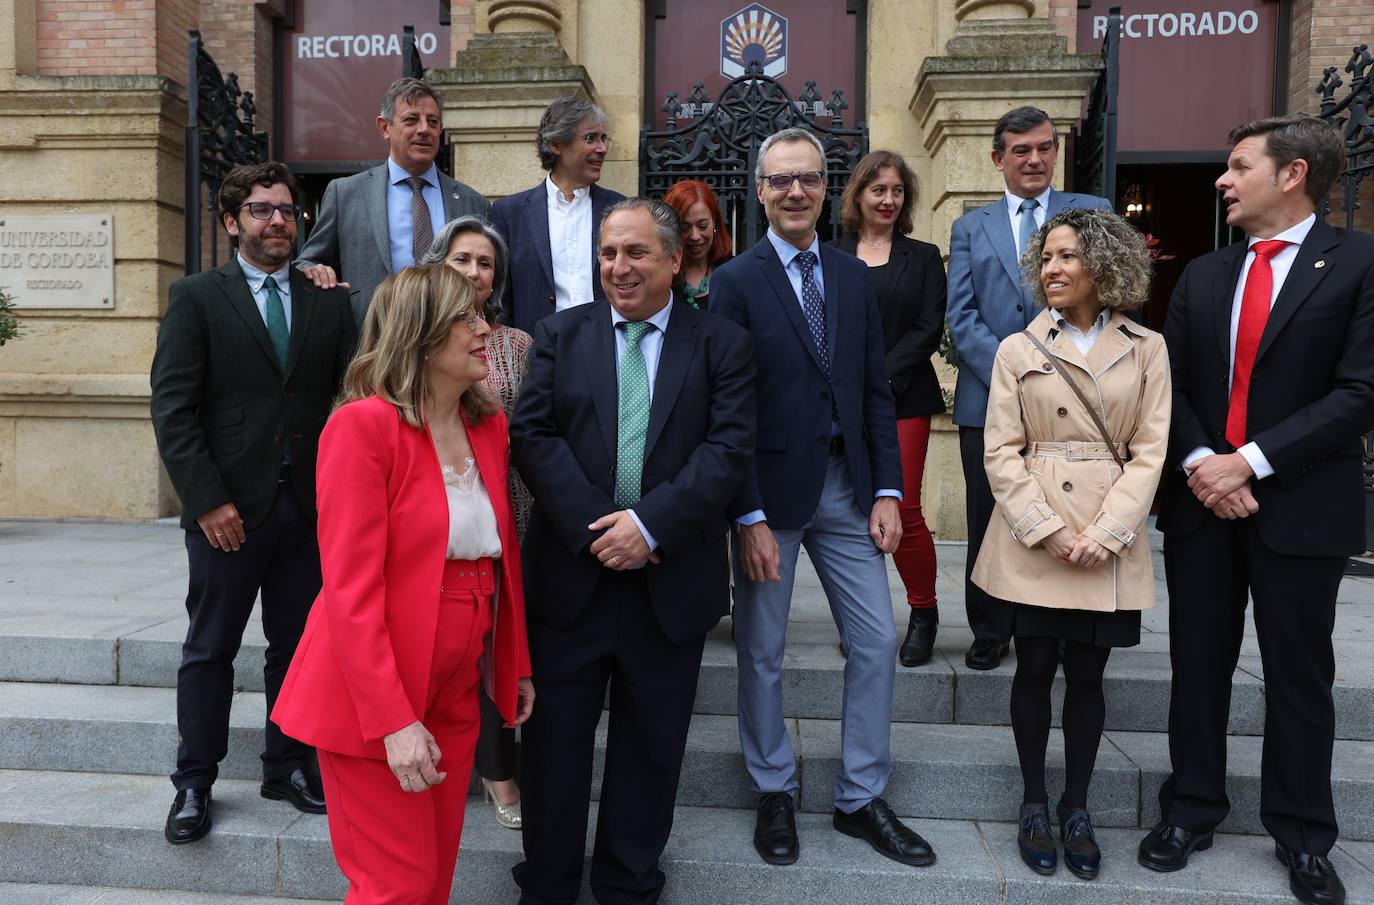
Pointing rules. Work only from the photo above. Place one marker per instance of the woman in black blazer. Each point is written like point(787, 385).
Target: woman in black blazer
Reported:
point(909, 278)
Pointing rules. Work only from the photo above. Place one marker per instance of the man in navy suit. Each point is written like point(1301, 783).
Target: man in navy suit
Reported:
point(634, 429)
point(827, 472)
point(551, 228)
point(987, 303)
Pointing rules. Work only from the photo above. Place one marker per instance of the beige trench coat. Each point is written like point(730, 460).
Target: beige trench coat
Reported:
point(1040, 490)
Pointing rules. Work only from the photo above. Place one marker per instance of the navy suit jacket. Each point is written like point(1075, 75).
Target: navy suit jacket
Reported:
point(795, 396)
point(696, 453)
point(523, 220)
point(987, 300)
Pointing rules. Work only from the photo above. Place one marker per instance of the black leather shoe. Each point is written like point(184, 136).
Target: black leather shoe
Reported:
point(1081, 855)
point(1167, 847)
point(919, 645)
point(189, 818)
point(775, 830)
point(986, 653)
point(1034, 841)
point(876, 823)
point(1312, 878)
point(304, 792)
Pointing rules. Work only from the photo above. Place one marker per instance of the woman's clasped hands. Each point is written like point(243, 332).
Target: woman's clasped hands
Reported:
point(1078, 549)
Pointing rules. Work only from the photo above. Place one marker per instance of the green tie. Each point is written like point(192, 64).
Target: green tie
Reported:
point(634, 415)
point(281, 343)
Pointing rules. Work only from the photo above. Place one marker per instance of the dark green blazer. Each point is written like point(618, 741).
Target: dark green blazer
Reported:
point(221, 404)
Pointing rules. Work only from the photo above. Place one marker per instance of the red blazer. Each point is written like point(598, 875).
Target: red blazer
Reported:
point(361, 670)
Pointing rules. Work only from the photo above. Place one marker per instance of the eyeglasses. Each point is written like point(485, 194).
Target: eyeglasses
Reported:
point(597, 138)
point(261, 210)
point(472, 319)
point(782, 182)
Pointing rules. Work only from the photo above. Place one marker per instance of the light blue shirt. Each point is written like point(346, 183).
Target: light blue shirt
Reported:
point(398, 195)
point(787, 253)
point(651, 344)
point(1037, 214)
point(257, 285)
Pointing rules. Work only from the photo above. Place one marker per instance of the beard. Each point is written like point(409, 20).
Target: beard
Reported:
point(257, 250)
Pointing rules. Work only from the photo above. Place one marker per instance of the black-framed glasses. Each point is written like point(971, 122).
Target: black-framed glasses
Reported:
point(782, 182)
point(261, 210)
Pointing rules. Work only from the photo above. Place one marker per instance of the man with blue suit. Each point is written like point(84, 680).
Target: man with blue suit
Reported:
point(551, 228)
point(987, 303)
point(825, 476)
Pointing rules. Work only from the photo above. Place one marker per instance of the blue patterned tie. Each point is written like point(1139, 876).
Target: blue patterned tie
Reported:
point(633, 425)
point(813, 307)
point(1027, 229)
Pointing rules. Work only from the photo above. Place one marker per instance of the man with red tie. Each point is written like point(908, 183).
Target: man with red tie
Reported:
point(1271, 342)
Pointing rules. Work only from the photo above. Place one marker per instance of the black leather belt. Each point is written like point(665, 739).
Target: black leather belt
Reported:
point(837, 445)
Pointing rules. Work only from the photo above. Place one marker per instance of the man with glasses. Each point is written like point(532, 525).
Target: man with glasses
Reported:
point(382, 220)
point(826, 475)
point(551, 228)
point(249, 359)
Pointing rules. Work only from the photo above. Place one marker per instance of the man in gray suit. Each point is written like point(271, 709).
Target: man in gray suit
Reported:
point(382, 220)
point(988, 303)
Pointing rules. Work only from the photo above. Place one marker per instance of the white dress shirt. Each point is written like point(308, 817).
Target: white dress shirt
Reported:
point(1014, 211)
point(1279, 265)
point(257, 285)
point(570, 244)
point(399, 229)
point(651, 345)
point(1081, 340)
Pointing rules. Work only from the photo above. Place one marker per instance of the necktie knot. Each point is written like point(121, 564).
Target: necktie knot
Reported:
point(1028, 204)
point(1270, 247)
point(807, 262)
point(416, 182)
point(270, 284)
point(635, 330)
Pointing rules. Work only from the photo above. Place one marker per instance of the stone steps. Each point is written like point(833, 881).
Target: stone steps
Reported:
point(106, 831)
point(939, 770)
point(63, 894)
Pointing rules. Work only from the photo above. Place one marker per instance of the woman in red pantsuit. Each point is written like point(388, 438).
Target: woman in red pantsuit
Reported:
point(422, 599)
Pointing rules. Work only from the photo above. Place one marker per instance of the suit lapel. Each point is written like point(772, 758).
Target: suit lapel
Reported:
point(537, 216)
point(1302, 279)
point(898, 261)
point(598, 339)
point(303, 298)
point(487, 453)
point(1224, 293)
point(673, 360)
point(832, 300)
point(235, 288)
point(599, 206)
point(782, 288)
point(376, 213)
point(448, 190)
point(997, 225)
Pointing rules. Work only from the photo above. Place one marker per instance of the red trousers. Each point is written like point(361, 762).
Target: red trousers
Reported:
point(397, 847)
point(915, 553)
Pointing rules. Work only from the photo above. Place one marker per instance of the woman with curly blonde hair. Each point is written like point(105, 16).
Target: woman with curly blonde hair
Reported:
point(1077, 426)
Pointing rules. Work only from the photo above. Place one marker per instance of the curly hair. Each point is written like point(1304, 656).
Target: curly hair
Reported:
point(1112, 250)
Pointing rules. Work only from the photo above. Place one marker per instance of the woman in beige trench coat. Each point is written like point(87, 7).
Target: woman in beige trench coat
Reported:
point(1068, 561)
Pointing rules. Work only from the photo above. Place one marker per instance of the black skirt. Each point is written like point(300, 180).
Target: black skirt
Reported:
point(1012, 620)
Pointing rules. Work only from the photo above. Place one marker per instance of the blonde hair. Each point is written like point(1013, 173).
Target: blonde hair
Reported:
point(410, 317)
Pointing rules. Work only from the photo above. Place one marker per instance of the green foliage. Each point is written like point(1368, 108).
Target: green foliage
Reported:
point(9, 321)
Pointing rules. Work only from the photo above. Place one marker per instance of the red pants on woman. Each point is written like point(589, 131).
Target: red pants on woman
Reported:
point(915, 553)
point(397, 847)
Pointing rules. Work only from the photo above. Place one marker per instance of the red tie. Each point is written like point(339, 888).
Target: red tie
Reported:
point(1254, 314)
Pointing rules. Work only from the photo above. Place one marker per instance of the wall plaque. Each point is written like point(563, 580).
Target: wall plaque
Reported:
point(58, 262)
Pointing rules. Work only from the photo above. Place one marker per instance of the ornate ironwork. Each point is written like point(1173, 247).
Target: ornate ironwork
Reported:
point(717, 142)
point(1095, 140)
point(1354, 116)
point(219, 136)
point(412, 67)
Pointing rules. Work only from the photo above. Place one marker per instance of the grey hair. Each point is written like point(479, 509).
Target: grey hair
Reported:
point(784, 137)
point(1019, 121)
point(408, 90)
point(1112, 250)
point(666, 222)
point(559, 124)
point(439, 248)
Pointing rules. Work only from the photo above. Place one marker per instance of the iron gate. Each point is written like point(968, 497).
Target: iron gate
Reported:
point(1094, 147)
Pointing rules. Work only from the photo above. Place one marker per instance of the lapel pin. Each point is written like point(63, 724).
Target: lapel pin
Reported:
point(1319, 265)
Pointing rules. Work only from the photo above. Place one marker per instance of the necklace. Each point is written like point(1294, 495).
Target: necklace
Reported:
point(691, 293)
point(871, 244)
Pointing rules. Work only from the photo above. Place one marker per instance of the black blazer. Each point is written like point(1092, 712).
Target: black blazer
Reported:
point(523, 220)
point(220, 404)
point(795, 407)
point(697, 451)
point(1311, 391)
point(911, 302)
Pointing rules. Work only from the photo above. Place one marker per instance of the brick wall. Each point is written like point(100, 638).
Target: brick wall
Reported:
point(238, 35)
point(464, 19)
point(113, 37)
point(1064, 16)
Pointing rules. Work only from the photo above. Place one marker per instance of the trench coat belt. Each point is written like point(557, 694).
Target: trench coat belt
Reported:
point(1075, 450)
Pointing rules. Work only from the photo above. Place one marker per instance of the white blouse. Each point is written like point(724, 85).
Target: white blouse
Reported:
point(472, 531)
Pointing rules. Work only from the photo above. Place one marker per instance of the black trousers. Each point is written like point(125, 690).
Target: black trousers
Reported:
point(281, 559)
point(495, 754)
point(1209, 573)
point(980, 506)
point(653, 684)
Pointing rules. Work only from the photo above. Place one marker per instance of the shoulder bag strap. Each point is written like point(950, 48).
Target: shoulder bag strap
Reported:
point(1088, 406)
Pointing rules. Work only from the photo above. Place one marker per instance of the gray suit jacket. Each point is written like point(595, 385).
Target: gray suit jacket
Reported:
point(987, 302)
point(351, 235)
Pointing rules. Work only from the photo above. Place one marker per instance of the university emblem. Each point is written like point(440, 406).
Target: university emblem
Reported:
point(754, 34)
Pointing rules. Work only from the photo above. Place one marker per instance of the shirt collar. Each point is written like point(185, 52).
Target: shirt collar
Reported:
point(787, 251)
point(659, 320)
point(556, 194)
point(1062, 323)
point(1296, 234)
point(256, 277)
point(398, 174)
point(1014, 201)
